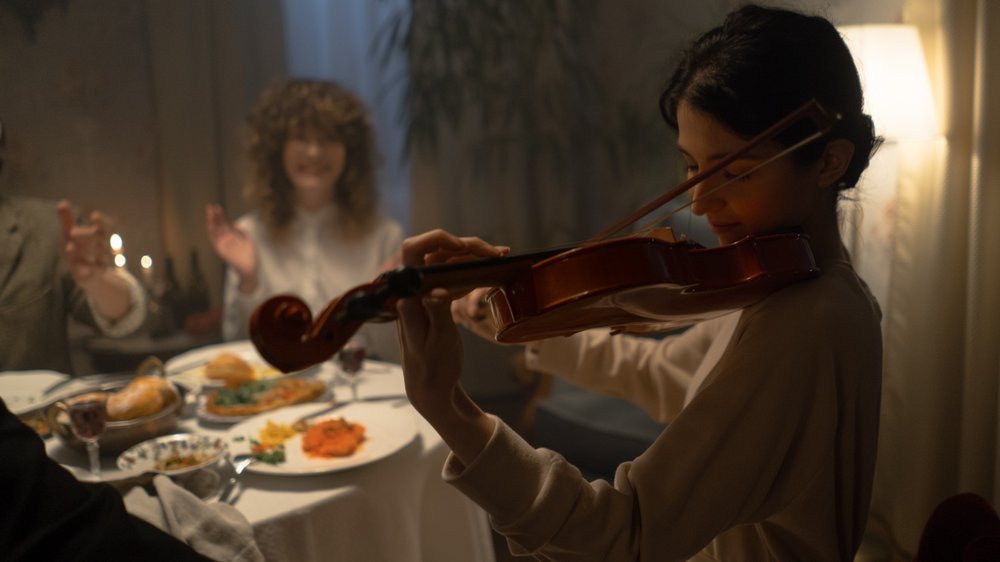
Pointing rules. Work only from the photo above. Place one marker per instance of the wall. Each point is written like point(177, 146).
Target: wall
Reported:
point(134, 108)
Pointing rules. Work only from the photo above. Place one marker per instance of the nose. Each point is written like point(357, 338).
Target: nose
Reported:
point(704, 198)
point(313, 147)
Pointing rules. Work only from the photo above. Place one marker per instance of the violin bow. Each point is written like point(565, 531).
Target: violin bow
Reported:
point(824, 119)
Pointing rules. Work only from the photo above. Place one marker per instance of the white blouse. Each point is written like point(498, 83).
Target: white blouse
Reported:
point(316, 263)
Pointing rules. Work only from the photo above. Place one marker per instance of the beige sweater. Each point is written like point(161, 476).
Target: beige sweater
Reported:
point(770, 457)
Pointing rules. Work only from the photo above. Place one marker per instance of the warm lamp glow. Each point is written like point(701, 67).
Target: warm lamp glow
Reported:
point(146, 262)
point(893, 71)
point(116, 242)
point(120, 260)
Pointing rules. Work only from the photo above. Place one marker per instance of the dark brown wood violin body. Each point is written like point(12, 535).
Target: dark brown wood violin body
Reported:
point(643, 283)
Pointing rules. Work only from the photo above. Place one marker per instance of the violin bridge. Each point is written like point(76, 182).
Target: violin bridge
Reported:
point(664, 233)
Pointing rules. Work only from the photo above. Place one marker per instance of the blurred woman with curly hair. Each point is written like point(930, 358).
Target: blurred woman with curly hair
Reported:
point(314, 230)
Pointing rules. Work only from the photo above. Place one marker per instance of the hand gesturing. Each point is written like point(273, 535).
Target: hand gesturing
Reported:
point(85, 247)
point(232, 244)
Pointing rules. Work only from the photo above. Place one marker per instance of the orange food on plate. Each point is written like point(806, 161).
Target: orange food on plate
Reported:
point(333, 438)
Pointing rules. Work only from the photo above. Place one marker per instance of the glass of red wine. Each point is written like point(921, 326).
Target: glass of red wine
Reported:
point(351, 359)
point(88, 418)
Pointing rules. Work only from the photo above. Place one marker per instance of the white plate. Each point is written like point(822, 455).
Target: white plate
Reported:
point(388, 428)
point(22, 391)
point(145, 456)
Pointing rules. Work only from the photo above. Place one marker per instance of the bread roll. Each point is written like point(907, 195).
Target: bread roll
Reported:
point(229, 369)
point(143, 396)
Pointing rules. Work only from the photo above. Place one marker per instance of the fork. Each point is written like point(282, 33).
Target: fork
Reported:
point(240, 463)
point(302, 423)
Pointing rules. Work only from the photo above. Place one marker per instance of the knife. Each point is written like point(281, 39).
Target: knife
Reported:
point(300, 424)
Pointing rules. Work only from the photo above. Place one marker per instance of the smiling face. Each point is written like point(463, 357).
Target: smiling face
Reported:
point(313, 163)
point(781, 195)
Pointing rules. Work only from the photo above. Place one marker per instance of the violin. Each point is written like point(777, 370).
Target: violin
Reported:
point(646, 282)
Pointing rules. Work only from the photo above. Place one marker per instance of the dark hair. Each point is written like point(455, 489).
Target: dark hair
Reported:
point(289, 107)
point(763, 63)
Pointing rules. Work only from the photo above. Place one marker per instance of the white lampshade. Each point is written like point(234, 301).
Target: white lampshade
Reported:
point(890, 60)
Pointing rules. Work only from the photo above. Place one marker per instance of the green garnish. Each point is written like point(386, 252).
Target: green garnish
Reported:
point(244, 394)
point(271, 454)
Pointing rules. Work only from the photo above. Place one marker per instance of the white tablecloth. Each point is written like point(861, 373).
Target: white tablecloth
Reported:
point(396, 509)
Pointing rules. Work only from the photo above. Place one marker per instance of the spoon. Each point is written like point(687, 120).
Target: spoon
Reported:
point(240, 463)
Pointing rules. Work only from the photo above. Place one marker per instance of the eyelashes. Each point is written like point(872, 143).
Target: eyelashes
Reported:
point(729, 176)
point(733, 176)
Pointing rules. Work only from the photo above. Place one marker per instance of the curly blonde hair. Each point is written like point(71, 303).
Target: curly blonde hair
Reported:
point(288, 107)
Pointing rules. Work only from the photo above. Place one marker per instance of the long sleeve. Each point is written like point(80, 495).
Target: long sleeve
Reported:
point(135, 316)
point(653, 374)
point(771, 460)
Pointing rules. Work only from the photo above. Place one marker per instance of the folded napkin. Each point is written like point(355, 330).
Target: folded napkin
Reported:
point(215, 530)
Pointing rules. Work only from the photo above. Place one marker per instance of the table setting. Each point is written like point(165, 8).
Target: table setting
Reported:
point(328, 463)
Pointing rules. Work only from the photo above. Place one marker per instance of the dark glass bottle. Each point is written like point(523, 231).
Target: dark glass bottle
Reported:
point(170, 302)
point(197, 288)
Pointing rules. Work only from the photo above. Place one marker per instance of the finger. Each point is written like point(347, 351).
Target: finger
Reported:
point(99, 222)
point(214, 220)
point(438, 246)
point(437, 305)
point(216, 213)
point(460, 309)
point(416, 247)
point(412, 325)
point(476, 302)
point(392, 262)
point(472, 248)
point(66, 218)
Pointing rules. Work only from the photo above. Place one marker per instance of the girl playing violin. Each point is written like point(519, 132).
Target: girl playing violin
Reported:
point(772, 410)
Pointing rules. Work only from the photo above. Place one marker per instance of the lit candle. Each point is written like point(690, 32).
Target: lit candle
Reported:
point(146, 262)
point(118, 249)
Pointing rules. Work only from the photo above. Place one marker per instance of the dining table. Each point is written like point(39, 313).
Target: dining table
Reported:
point(394, 508)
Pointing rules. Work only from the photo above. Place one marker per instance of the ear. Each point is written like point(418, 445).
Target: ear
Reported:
point(834, 161)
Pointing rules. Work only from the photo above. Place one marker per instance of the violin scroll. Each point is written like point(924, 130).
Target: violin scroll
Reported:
point(283, 332)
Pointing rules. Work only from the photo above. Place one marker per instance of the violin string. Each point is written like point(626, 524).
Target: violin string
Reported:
point(652, 224)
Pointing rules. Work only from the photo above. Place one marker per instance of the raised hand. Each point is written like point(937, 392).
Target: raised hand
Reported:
point(85, 247)
point(232, 245)
point(88, 254)
point(432, 351)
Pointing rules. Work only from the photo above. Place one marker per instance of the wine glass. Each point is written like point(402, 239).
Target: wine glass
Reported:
point(88, 419)
point(352, 358)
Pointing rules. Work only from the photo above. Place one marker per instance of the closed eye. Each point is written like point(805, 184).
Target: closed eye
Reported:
point(738, 176)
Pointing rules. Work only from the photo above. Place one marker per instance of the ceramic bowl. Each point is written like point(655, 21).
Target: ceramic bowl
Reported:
point(118, 435)
point(173, 454)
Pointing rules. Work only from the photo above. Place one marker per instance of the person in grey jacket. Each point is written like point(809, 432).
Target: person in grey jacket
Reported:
point(51, 269)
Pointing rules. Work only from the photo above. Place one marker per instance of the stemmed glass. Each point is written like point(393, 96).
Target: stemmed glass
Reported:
point(351, 358)
point(88, 419)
